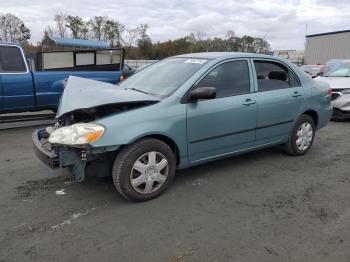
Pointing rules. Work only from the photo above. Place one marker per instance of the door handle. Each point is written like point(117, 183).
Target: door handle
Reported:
point(249, 102)
point(296, 94)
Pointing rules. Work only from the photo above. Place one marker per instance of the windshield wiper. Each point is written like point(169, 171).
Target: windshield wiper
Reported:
point(138, 90)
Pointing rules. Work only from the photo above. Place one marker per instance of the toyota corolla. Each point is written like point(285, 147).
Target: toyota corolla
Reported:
point(180, 112)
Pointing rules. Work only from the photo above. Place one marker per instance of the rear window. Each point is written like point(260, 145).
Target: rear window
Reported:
point(105, 60)
point(11, 60)
point(54, 60)
point(107, 57)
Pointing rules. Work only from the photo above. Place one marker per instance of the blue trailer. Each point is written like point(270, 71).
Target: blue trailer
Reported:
point(25, 88)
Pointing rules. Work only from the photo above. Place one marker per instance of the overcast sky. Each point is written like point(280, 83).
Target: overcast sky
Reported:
point(281, 22)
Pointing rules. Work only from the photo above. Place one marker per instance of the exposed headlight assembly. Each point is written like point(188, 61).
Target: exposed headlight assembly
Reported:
point(77, 134)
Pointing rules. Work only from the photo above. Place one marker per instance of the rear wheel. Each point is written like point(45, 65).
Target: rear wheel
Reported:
point(143, 170)
point(302, 136)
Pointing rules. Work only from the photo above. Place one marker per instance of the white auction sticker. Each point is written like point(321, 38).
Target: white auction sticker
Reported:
point(195, 61)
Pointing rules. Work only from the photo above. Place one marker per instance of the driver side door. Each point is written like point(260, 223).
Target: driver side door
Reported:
point(224, 125)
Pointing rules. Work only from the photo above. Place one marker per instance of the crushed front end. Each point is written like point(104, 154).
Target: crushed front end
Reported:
point(79, 159)
point(69, 144)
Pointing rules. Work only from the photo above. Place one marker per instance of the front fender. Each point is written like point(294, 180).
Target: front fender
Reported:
point(159, 119)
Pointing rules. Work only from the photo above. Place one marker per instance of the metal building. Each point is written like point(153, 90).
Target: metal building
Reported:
point(294, 56)
point(322, 47)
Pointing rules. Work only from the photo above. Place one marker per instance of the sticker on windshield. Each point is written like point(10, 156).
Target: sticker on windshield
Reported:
point(195, 61)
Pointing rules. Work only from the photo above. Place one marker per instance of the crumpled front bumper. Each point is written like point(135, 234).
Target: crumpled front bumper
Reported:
point(43, 149)
point(73, 158)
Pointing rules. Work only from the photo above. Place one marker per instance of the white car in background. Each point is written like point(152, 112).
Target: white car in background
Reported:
point(338, 77)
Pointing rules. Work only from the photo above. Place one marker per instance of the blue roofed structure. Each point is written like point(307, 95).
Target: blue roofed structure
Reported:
point(75, 43)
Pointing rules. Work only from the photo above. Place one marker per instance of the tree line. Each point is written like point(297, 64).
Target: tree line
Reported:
point(12, 29)
point(136, 40)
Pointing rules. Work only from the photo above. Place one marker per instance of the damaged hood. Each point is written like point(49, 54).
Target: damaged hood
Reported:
point(82, 93)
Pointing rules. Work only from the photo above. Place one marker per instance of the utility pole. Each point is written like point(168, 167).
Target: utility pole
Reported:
point(306, 33)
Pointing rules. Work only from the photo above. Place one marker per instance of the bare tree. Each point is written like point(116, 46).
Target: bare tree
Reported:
point(230, 34)
point(48, 31)
point(230, 39)
point(12, 29)
point(142, 30)
point(84, 31)
point(200, 36)
point(61, 20)
point(130, 38)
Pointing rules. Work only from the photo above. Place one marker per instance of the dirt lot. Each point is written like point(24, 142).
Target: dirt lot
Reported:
point(263, 206)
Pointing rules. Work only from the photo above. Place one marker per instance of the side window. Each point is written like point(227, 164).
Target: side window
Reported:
point(11, 60)
point(293, 80)
point(273, 76)
point(229, 79)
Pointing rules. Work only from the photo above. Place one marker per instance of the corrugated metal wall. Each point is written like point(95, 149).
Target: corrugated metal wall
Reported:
point(320, 49)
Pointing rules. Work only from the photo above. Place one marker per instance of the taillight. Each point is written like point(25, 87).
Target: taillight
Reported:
point(330, 91)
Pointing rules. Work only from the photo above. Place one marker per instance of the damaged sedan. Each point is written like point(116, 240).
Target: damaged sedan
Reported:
point(180, 112)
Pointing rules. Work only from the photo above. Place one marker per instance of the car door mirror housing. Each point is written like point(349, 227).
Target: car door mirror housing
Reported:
point(202, 93)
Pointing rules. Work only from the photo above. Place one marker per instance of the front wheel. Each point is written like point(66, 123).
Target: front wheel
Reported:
point(143, 170)
point(302, 136)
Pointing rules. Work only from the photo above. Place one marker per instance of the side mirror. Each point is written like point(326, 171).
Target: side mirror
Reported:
point(202, 93)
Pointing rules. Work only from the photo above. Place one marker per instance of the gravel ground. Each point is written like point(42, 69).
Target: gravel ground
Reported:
point(262, 206)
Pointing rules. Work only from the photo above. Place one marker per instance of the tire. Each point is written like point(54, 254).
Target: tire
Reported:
point(139, 171)
point(295, 148)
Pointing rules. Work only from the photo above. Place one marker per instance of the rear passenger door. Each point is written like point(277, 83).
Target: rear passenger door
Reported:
point(280, 99)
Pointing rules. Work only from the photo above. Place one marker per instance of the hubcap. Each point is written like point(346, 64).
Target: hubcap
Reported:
point(149, 172)
point(304, 136)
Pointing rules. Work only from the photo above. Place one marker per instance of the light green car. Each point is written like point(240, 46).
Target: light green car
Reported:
point(180, 112)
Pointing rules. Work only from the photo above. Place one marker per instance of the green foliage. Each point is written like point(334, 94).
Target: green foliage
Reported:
point(112, 32)
point(136, 40)
point(76, 25)
point(12, 29)
point(96, 24)
point(138, 43)
point(144, 43)
point(192, 43)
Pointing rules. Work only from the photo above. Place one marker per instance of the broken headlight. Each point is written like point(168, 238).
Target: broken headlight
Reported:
point(77, 134)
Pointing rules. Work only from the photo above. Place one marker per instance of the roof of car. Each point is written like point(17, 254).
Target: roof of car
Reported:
point(215, 55)
point(8, 43)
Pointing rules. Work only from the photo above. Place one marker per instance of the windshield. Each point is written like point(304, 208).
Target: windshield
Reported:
point(338, 70)
point(164, 77)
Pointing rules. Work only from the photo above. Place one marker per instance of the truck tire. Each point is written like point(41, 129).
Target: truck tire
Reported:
point(302, 136)
point(144, 169)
